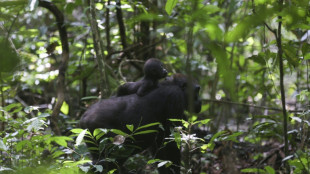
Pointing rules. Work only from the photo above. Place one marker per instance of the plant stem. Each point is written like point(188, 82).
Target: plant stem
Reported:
point(280, 57)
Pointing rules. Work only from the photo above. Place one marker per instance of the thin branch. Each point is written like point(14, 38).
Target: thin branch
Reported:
point(13, 22)
point(98, 45)
point(24, 104)
point(269, 28)
point(280, 56)
point(63, 65)
point(107, 27)
point(122, 31)
point(272, 30)
point(251, 105)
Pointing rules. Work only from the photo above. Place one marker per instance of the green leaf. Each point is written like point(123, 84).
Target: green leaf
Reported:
point(232, 137)
point(9, 58)
point(153, 161)
point(57, 154)
point(79, 139)
point(270, 170)
point(76, 131)
point(253, 170)
point(11, 106)
point(100, 130)
point(29, 32)
point(130, 127)
point(148, 125)
point(65, 108)
point(90, 142)
point(19, 146)
point(227, 73)
point(174, 119)
point(259, 59)
point(290, 54)
point(12, 3)
point(98, 133)
point(145, 132)
point(205, 121)
point(35, 124)
point(247, 24)
point(307, 56)
point(61, 140)
point(93, 149)
point(119, 132)
point(217, 135)
point(185, 123)
point(170, 5)
point(112, 171)
point(177, 138)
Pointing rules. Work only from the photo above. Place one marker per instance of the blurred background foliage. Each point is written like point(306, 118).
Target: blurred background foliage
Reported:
point(229, 46)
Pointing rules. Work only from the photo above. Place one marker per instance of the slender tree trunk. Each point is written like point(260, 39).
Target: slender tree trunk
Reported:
point(98, 45)
point(2, 102)
point(63, 65)
point(122, 31)
point(107, 28)
point(280, 57)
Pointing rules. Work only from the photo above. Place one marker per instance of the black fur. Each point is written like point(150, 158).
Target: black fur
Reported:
point(153, 71)
point(169, 100)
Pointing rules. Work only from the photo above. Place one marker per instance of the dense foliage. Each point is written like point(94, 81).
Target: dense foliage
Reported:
point(251, 59)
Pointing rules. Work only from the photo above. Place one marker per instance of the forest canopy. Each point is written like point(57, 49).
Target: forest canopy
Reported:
point(250, 58)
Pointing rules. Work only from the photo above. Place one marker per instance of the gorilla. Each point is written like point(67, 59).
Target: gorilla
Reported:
point(169, 100)
point(153, 71)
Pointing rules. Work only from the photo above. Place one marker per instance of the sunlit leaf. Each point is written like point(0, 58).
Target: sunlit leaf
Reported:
point(29, 32)
point(170, 5)
point(98, 168)
point(79, 139)
point(35, 124)
point(77, 130)
point(226, 72)
point(153, 161)
point(98, 133)
point(65, 108)
point(247, 23)
point(130, 127)
point(164, 163)
point(32, 4)
point(2, 145)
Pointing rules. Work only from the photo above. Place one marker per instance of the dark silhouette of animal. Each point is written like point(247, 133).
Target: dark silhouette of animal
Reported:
point(153, 71)
point(169, 100)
